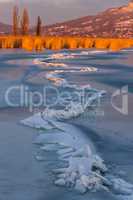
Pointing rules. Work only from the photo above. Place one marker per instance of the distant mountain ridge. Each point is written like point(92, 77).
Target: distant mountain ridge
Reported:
point(114, 22)
point(5, 28)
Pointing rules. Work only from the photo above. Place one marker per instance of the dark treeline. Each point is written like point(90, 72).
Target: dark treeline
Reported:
point(21, 24)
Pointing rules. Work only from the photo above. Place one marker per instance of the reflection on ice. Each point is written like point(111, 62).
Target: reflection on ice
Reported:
point(94, 52)
point(54, 75)
point(61, 56)
point(62, 67)
point(49, 64)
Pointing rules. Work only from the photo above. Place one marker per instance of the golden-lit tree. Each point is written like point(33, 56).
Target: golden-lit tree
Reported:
point(25, 22)
point(39, 26)
point(15, 20)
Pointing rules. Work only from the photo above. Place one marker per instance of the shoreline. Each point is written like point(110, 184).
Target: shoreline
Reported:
point(40, 43)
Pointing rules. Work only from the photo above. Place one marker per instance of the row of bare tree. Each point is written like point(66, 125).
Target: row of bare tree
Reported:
point(21, 25)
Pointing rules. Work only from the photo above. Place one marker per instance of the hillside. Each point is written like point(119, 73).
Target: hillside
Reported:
point(114, 22)
point(5, 28)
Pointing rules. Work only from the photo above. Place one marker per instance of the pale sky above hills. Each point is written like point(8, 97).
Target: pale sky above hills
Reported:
point(57, 10)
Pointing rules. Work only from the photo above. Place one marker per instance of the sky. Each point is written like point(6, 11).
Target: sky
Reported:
point(53, 11)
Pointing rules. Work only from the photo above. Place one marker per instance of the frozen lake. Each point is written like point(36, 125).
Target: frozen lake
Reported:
point(26, 165)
